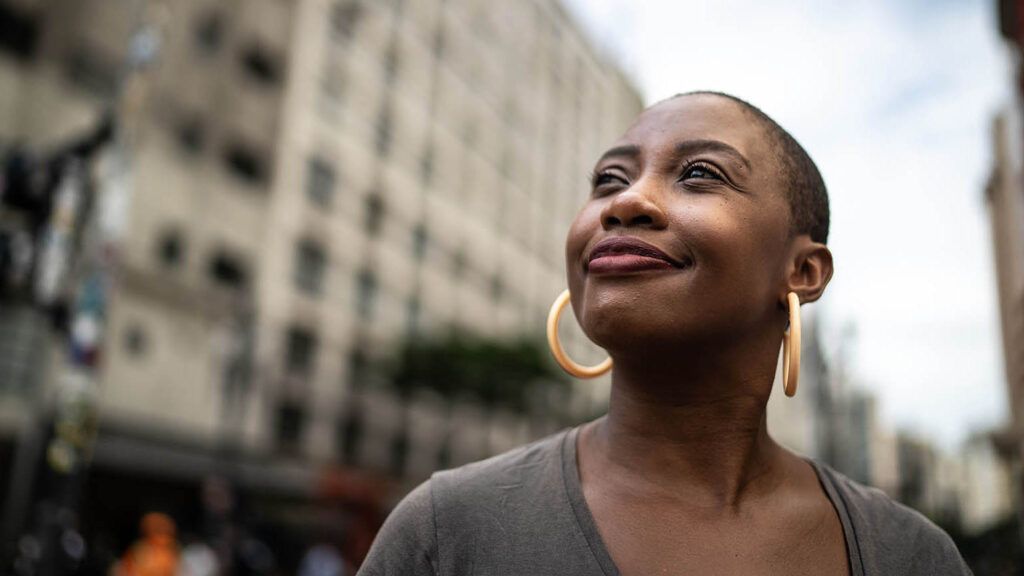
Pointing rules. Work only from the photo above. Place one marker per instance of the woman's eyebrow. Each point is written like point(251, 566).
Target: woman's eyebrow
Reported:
point(629, 150)
point(689, 147)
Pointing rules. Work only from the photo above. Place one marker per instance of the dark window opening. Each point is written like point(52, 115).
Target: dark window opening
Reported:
point(345, 17)
point(136, 342)
point(171, 249)
point(444, 453)
point(92, 71)
point(310, 263)
point(350, 433)
point(497, 288)
point(384, 128)
point(459, 264)
point(439, 42)
point(228, 271)
point(260, 64)
point(19, 32)
point(420, 239)
point(367, 293)
point(246, 163)
point(399, 452)
point(412, 316)
point(374, 213)
point(191, 135)
point(427, 165)
point(320, 181)
point(391, 62)
point(358, 368)
point(300, 352)
point(291, 422)
point(210, 32)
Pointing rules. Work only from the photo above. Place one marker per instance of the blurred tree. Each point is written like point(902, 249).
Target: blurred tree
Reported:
point(496, 373)
point(515, 375)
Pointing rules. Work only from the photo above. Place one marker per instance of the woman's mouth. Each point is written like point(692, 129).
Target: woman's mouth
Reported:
point(627, 254)
point(626, 263)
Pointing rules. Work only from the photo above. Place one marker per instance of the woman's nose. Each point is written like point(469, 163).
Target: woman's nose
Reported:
point(636, 206)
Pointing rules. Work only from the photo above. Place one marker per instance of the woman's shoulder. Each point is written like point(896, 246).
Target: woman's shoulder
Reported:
point(484, 503)
point(891, 537)
point(538, 462)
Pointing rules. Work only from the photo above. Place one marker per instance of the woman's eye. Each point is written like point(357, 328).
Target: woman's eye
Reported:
point(603, 178)
point(700, 171)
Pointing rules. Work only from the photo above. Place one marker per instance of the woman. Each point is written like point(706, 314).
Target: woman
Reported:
point(705, 230)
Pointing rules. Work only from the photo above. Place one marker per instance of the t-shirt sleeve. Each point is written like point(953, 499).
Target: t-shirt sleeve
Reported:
point(935, 553)
point(407, 543)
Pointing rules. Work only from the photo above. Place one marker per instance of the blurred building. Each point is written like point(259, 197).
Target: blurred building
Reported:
point(986, 496)
point(312, 182)
point(800, 422)
point(1005, 197)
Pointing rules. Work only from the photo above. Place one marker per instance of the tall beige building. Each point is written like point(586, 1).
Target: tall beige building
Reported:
point(319, 178)
point(1005, 197)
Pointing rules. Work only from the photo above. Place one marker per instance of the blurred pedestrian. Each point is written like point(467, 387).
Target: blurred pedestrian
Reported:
point(156, 552)
point(198, 559)
point(322, 560)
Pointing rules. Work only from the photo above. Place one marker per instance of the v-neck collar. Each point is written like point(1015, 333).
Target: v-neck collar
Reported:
point(587, 526)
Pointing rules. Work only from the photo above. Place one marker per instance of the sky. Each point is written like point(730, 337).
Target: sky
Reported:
point(894, 101)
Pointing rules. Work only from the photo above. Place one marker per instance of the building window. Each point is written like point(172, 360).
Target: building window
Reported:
point(412, 315)
point(391, 62)
point(310, 263)
point(228, 271)
point(260, 64)
point(366, 291)
point(291, 422)
point(19, 31)
point(420, 238)
point(350, 435)
point(136, 342)
point(300, 352)
point(374, 213)
point(345, 17)
point(191, 134)
point(92, 70)
point(497, 288)
point(384, 128)
point(399, 452)
point(358, 367)
point(427, 164)
point(459, 264)
point(210, 32)
point(171, 248)
point(246, 163)
point(320, 181)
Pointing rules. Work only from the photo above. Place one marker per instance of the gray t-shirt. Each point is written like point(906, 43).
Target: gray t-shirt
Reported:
point(523, 513)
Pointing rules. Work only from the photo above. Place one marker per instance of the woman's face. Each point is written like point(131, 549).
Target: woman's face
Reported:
point(691, 227)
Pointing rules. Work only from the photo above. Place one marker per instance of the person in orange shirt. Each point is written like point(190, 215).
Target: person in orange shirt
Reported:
point(156, 553)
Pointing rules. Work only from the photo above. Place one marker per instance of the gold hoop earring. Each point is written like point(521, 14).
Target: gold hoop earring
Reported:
point(791, 347)
point(563, 360)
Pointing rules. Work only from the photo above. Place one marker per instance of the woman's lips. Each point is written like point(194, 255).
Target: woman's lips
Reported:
point(626, 254)
point(624, 263)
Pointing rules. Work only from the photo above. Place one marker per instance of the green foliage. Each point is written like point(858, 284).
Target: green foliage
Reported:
point(497, 373)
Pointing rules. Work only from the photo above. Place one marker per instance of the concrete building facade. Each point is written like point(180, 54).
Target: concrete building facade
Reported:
point(312, 182)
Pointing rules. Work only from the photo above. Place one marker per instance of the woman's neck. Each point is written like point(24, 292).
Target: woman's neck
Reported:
point(691, 428)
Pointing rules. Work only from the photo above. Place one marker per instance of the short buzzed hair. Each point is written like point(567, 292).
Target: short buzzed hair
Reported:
point(804, 186)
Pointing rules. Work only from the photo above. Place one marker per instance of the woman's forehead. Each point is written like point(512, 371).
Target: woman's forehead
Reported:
point(708, 117)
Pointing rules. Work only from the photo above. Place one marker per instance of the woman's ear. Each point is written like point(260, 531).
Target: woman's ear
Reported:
point(809, 269)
